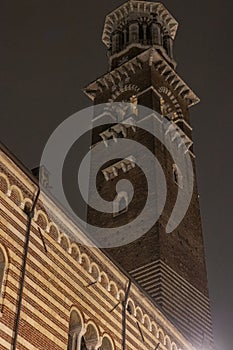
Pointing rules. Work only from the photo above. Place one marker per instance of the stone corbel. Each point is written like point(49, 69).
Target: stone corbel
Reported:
point(123, 130)
point(104, 138)
point(115, 172)
point(124, 168)
point(124, 165)
point(117, 129)
point(170, 129)
point(106, 175)
point(114, 135)
point(176, 134)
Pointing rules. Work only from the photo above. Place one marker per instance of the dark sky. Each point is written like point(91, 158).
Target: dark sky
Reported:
point(51, 49)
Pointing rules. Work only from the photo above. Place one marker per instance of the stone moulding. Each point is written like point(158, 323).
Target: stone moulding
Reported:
point(153, 58)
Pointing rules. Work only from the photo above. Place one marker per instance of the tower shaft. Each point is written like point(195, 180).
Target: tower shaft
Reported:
point(170, 267)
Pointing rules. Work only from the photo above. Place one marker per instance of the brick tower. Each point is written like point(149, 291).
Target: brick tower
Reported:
point(170, 267)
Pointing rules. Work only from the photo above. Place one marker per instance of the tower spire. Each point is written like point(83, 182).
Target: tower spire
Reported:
point(134, 27)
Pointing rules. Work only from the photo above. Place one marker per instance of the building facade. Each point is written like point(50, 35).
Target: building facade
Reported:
point(56, 291)
point(70, 291)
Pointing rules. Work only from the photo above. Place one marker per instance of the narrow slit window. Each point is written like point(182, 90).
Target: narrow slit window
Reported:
point(120, 204)
point(177, 176)
point(2, 268)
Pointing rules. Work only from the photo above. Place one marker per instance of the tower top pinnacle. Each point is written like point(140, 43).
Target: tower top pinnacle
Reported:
point(140, 8)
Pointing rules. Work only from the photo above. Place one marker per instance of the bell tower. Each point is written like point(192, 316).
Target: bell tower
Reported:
point(170, 267)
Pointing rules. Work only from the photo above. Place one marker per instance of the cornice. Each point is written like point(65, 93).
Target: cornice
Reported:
point(151, 57)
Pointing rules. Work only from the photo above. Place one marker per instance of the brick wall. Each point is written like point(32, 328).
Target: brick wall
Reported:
point(59, 280)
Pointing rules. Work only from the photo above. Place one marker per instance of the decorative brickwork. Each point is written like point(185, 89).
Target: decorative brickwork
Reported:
point(62, 279)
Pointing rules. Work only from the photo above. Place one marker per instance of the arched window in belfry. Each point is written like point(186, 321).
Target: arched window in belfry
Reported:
point(115, 42)
point(75, 331)
point(148, 34)
point(155, 34)
point(168, 45)
point(140, 33)
point(133, 33)
point(144, 27)
point(2, 268)
point(124, 37)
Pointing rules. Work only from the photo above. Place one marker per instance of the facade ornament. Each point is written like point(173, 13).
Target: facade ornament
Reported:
point(123, 110)
point(164, 107)
point(134, 104)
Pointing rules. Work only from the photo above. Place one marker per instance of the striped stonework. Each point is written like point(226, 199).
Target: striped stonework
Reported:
point(60, 279)
point(178, 298)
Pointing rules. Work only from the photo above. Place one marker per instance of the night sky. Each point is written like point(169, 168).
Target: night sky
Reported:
point(51, 49)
